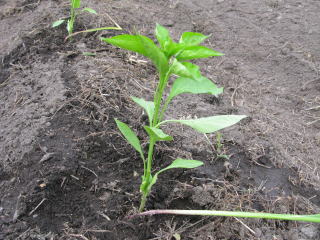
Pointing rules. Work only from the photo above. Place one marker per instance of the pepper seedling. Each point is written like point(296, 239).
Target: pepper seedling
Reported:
point(170, 59)
point(75, 5)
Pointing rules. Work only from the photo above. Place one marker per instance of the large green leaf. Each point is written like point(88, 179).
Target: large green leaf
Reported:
point(142, 45)
point(197, 52)
point(128, 42)
point(129, 135)
point(155, 54)
point(209, 124)
point(157, 134)
point(148, 106)
point(192, 38)
point(75, 3)
point(188, 85)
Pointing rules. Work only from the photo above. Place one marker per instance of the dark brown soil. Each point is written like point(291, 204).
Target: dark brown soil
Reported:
point(66, 172)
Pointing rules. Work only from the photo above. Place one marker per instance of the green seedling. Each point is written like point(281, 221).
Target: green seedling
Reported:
point(170, 59)
point(219, 146)
point(75, 6)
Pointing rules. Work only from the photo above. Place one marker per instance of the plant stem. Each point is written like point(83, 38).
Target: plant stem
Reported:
point(157, 101)
point(150, 155)
point(159, 94)
point(142, 202)
point(164, 108)
point(147, 175)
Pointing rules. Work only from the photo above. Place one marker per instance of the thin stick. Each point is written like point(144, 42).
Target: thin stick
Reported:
point(78, 235)
point(37, 207)
point(246, 226)
point(90, 170)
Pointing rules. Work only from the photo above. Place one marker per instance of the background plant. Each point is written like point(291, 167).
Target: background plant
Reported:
point(75, 5)
point(170, 58)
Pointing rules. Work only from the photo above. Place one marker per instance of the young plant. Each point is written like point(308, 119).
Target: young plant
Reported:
point(219, 146)
point(170, 58)
point(74, 6)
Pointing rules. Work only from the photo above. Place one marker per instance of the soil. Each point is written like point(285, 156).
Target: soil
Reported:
point(67, 173)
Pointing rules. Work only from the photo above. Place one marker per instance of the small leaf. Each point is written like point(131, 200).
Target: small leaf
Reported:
point(186, 69)
point(182, 163)
point(178, 163)
point(129, 135)
point(57, 23)
point(147, 105)
point(75, 3)
point(163, 36)
point(157, 134)
point(70, 26)
point(210, 124)
point(188, 85)
point(179, 69)
point(89, 54)
point(197, 52)
point(192, 38)
point(90, 10)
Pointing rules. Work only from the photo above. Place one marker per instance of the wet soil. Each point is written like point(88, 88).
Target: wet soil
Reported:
point(66, 172)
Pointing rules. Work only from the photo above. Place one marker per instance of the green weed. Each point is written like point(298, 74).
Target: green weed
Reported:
point(290, 217)
point(75, 6)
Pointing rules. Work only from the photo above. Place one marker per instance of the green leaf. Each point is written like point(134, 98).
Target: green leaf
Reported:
point(209, 124)
point(182, 163)
point(192, 38)
point(173, 48)
point(155, 54)
point(75, 3)
point(157, 134)
point(57, 23)
point(195, 52)
point(188, 85)
point(129, 135)
point(128, 42)
point(90, 10)
point(163, 36)
point(178, 163)
point(142, 45)
point(186, 69)
point(148, 106)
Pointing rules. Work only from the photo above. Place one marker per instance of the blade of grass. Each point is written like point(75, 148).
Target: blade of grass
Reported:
point(290, 217)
